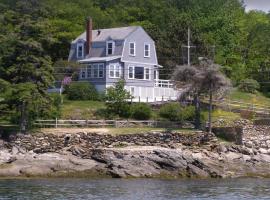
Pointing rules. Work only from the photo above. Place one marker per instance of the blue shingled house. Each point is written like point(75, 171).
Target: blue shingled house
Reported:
point(106, 55)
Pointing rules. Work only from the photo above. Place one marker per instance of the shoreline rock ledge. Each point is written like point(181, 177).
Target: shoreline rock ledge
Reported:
point(154, 154)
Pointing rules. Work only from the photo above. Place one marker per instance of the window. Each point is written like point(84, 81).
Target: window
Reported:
point(147, 73)
point(95, 67)
point(131, 72)
point(115, 71)
point(138, 73)
point(83, 73)
point(132, 49)
point(80, 50)
point(89, 71)
point(110, 47)
point(147, 50)
point(95, 70)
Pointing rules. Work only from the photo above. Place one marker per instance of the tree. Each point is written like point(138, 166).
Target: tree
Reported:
point(204, 78)
point(184, 78)
point(117, 99)
point(26, 65)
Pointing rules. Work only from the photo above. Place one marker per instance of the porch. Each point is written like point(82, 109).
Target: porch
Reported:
point(162, 91)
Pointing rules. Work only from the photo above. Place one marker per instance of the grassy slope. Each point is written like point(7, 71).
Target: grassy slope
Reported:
point(257, 98)
point(80, 109)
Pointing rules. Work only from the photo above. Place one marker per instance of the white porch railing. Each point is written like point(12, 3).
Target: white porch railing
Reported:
point(163, 83)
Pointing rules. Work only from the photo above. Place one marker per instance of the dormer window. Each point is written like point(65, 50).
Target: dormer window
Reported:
point(147, 50)
point(132, 49)
point(110, 48)
point(80, 50)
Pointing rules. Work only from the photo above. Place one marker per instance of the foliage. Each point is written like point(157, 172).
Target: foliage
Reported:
point(116, 100)
point(81, 91)
point(35, 35)
point(171, 111)
point(141, 111)
point(205, 78)
point(249, 86)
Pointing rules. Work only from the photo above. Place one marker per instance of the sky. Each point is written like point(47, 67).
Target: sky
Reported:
point(263, 5)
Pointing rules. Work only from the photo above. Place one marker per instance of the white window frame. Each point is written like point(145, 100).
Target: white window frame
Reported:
point(107, 49)
point(149, 50)
point(80, 45)
point(131, 48)
point(149, 73)
point(115, 68)
point(133, 74)
point(100, 67)
point(144, 72)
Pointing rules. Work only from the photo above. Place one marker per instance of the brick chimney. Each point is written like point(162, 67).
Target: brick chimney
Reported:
point(89, 29)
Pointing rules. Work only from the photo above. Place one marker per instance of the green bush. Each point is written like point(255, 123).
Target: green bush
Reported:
point(176, 112)
point(188, 113)
point(171, 111)
point(81, 91)
point(141, 111)
point(117, 100)
point(249, 85)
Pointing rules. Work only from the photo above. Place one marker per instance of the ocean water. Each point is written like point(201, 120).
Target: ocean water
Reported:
point(106, 189)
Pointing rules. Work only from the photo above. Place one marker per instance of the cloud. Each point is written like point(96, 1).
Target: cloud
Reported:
point(263, 5)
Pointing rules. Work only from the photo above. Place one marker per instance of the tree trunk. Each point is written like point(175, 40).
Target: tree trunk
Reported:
point(23, 118)
point(197, 111)
point(210, 109)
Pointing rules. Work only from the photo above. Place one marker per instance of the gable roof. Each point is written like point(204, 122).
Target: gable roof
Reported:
point(111, 33)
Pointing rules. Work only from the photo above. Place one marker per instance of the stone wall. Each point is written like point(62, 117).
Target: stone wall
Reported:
point(257, 137)
point(231, 134)
point(42, 142)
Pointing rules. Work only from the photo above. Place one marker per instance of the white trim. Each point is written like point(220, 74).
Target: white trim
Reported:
point(149, 50)
point(91, 67)
point(133, 55)
point(80, 44)
point(113, 46)
point(114, 69)
point(99, 59)
point(142, 63)
point(144, 73)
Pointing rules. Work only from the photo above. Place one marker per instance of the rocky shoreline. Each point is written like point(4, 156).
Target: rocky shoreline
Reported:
point(153, 154)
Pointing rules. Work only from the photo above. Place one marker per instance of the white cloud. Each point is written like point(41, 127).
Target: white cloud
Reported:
point(263, 5)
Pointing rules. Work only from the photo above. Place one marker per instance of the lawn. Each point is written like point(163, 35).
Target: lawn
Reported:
point(80, 109)
point(257, 99)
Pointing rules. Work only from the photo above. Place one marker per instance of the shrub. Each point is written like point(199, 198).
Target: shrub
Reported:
point(81, 91)
point(188, 113)
point(249, 85)
point(141, 111)
point(116, 100)
point(171, 111)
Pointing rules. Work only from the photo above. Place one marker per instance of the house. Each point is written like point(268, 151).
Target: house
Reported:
point(107, 55)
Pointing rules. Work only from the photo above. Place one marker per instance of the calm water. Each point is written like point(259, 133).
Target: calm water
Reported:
point(135, 189)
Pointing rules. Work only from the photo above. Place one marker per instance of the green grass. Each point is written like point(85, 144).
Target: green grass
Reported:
point(80, 109)
point(256, 99)
point(227, 118)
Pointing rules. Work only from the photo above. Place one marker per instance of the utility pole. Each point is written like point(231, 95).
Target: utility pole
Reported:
point(188, 47)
